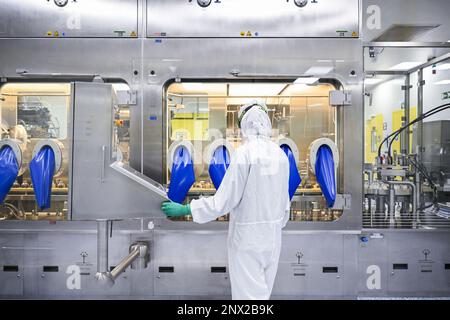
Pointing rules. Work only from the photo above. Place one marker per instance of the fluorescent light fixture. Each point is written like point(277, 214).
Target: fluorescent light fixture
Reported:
point(371, 81)
point(318, 70)
point(315, 105)
point(306, 80)
point(325, 61)
point(404, 66)
point(442, 82)
point(172, 60)
point(193, 86)
point(444, 66)
point(255, 89)
point(295, 89)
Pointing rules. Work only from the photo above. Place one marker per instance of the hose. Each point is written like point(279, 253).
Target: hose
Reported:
point(410, 124)
point(423, 116)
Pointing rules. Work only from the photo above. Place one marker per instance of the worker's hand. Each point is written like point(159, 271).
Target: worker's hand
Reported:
point(173, 209)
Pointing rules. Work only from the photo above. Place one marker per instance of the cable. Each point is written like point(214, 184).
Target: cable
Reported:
point(395, 133)
point(423, 116)
point(410, 124)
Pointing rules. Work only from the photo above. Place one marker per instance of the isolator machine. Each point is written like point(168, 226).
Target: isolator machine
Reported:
point(198, 154)
point(110, 107)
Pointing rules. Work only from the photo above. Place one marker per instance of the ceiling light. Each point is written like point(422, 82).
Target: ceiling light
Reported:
point(306, 80)
point(255, 90)
point(442, 82)
point(444, 66)
point(404, 66)
point(370, 81)
point(318, 70)
point(315, 105)
point(193, 86)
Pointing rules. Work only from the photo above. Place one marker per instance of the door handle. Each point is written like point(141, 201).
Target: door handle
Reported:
point(102, 171)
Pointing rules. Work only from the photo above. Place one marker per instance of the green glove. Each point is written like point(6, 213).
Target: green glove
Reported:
point(173, 209)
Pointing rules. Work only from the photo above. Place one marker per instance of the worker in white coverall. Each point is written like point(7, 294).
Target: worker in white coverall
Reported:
point(255, 192)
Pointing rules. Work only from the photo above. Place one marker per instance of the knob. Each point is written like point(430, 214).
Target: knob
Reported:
point(61, 3)
point(301, 3)
point(204, 3)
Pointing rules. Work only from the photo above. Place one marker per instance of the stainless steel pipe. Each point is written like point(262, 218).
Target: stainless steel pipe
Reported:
point(414, 195)
point(138, 251)
point(102, 246)
point(125, 263)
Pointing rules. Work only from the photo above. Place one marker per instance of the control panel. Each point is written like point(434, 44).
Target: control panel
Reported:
point(253, 18)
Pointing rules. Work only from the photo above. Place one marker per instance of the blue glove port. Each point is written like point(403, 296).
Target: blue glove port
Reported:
point(325, 174)
point(294, 176)
point(219, 164)
point(182, 175)
point(9, 169)
point(42, 169)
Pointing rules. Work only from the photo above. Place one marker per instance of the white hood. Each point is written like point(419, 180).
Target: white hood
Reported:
point(256, 121)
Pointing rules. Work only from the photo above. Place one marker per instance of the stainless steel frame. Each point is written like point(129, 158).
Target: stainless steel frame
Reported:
point(417, 194)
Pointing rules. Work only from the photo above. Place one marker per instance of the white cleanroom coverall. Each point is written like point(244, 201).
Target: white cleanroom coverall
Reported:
point(255, 191)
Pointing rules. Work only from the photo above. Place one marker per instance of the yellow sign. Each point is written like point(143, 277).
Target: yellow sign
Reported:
point(133, 34)
point(190, 126)
point(56, 34)
point(249, 34)
point(397, 123)
point(242, 33)
point(354, 34)
point(49, 33)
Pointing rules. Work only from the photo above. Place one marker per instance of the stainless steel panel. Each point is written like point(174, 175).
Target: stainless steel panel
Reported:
point(377, 16)
point(425, 255)
point(372, 266)
point(34, 245)
point(82, 18)
point(302, 262)
point(169, 59)
point(11, 256)
point(191, 255)
point(110, 58)
point(253, 18)
point(97, 190)
point(419, 257)
point(51, 251)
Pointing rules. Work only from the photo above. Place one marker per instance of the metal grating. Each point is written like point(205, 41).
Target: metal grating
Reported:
point(426, 220)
